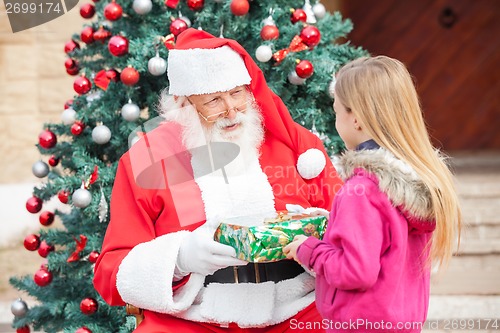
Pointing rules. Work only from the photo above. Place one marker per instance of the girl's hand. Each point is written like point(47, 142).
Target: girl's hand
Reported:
point(291, 249)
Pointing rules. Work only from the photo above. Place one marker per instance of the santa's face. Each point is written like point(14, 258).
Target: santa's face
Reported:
point(228, 116)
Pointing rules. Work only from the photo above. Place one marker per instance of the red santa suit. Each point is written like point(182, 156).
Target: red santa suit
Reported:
point(158, 199)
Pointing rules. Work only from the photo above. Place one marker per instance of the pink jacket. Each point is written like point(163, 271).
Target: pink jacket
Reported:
point(371, 272)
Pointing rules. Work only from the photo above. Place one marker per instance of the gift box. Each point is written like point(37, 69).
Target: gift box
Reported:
point(264, 243)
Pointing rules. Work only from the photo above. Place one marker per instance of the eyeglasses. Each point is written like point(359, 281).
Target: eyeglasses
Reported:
point(223, 114)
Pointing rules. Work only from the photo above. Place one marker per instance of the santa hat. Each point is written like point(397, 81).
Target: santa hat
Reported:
point(205, 71)
point(201, 62)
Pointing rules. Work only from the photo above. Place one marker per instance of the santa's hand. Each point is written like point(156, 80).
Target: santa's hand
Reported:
point(199, 253)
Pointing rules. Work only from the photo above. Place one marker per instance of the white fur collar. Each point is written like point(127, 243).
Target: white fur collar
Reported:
point(396, 179)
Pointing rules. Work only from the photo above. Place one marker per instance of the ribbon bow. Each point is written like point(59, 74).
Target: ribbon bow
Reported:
point(80, 245)
point(296, 45)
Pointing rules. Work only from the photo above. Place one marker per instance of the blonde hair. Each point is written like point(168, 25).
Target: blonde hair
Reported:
point(381, 94)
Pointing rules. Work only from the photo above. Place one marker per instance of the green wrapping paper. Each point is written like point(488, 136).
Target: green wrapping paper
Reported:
point(264, 243)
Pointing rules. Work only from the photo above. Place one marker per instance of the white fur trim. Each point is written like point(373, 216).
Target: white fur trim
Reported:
point(224, 303)
point(311, 163)
point(205, 71)
point(144, 278)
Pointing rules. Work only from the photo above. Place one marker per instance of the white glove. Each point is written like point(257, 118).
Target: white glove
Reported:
point(199, 253)
point(313, 211)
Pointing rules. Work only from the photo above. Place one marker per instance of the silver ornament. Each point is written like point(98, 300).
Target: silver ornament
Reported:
point(319, 10)
point(331, 86)
point(101, 134)
point(294, 79)
point(19, 308)
point(185, 19)
point(268, 21)
point(157, 65)
point(81, 198)
point(40, 169)
point(142, 7)
point(311, 19)
point(68, 116)
point(263, 53)
point(130, 111)
point(103, 208)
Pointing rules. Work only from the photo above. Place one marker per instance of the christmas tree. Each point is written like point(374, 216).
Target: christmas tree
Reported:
point(119, 63)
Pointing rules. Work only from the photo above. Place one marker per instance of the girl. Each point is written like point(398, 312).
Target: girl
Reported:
point(397, 210)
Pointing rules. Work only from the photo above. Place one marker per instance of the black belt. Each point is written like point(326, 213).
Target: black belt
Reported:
point(256, 272)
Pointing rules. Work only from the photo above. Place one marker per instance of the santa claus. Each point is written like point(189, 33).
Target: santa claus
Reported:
point(226, 149)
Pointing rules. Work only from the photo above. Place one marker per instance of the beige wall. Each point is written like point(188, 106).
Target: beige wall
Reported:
point(33, 88)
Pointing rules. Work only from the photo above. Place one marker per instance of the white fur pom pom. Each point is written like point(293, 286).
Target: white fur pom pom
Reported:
point(311, 163)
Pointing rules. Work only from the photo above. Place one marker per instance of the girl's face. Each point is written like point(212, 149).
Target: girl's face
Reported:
point(346, 125)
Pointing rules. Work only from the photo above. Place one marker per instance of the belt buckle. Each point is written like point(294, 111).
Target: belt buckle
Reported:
point(256, 272)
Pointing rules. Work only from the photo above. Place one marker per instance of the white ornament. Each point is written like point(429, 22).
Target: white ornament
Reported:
point(81, 198)
point(68, 116)
point(268, 21)
point(157, 65)
point(311, 163)
point(319, 10)
point(311, 18)
point(185, 19)
point(130, 111)
point(331, 86)
point(40, 169)
point(142, 7)
point(19, 308)
point(103, 208)
point(101, 134)
point(263, 53)
point(294, 79)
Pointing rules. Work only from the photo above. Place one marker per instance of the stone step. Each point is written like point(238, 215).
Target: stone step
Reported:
point(469, 275)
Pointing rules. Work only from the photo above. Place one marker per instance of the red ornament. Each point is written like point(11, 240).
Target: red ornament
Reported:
point(70, 63)
point(171, 3)
point(77, 128)
point(195, 4)
point(24, 329)
point(177, 26)
point(46, 218)
point(87, 10)
point(87, 35)
point(45, 249)
point(63, 196)
point(83, 330)
point(298, 15)
point(68, 103)
point(304, 69)
point(113, 11)
point(93, 256)
point(71, 46)
point(42, 277)
point(239, 7)
point(34, 205)
point(101, 34)
point(310, 36)
point(118, 46)
point(47, 139)
point(129, 76)
point(31, 242)
point(53, 161)
point(88, 306)
point(82, 85)
point(72, 71)
point(269, 32)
